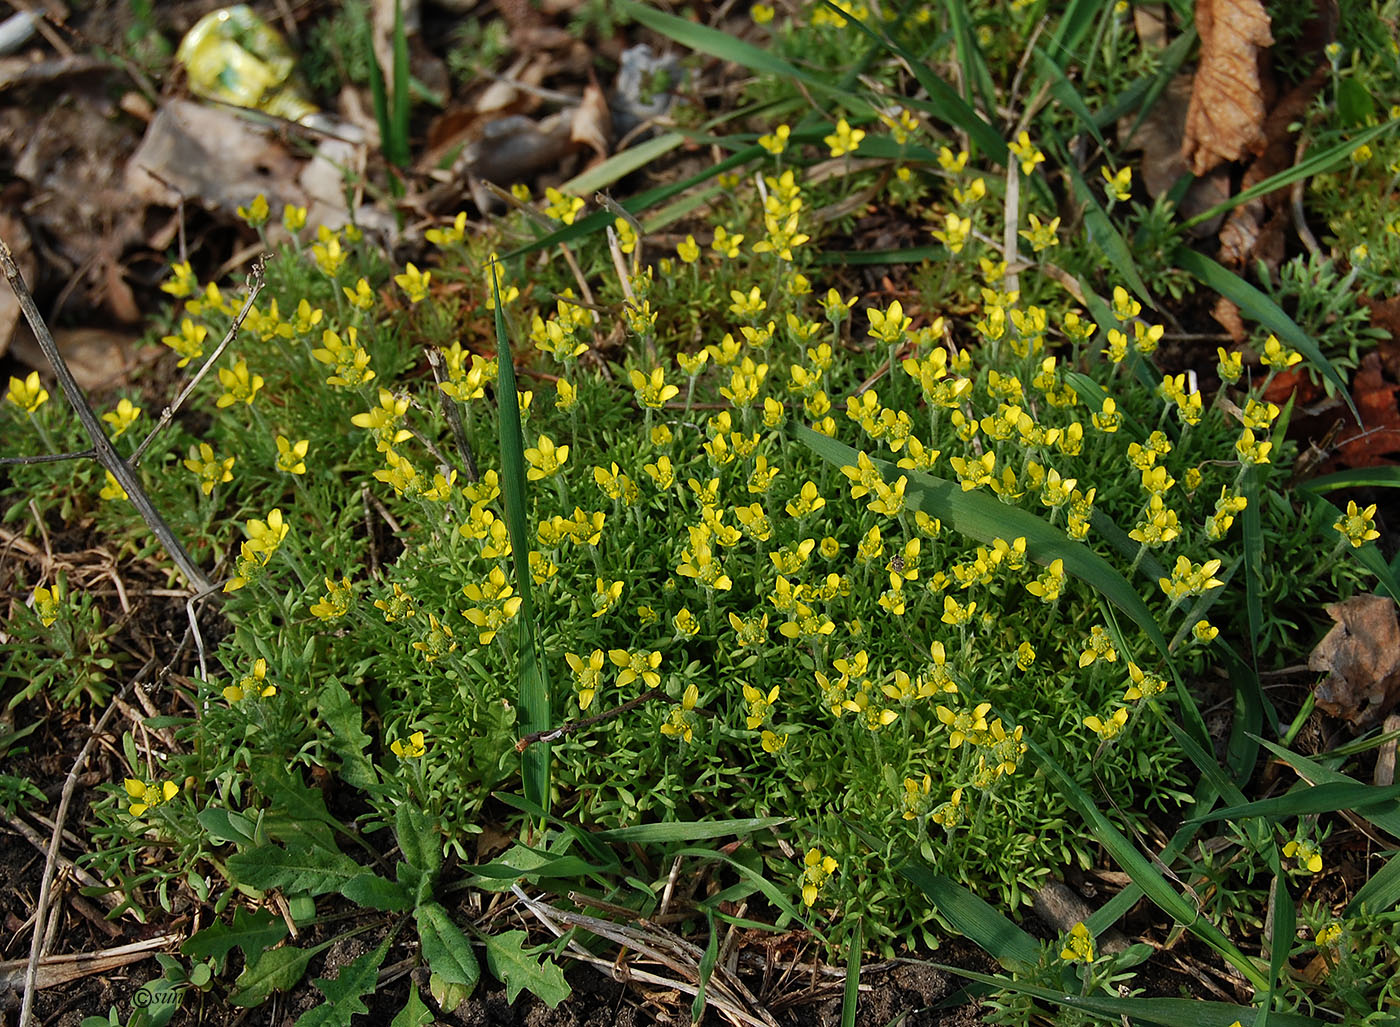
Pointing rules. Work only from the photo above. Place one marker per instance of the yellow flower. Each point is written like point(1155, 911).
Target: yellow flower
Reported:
point(454, 233)
point(122, 418)
point(291, 456)
point(46, 602)
point(653, 392)
point(1108, 729)
point(1277, 355)
point(1358, 526)
point(1119, 183)
point(689, 250)
point(329, 256)
point(1308, 854)
point(726, 243)
point(560, 207)
point(240, 386)
point(1079, 946)
point(147, 796)
point(412, 749)
point(762, 14)
point(336, 602)
point(776, 141)
point(1041, 236)
point(414, 282)
point(587, 675)
point(1026, 152)
point(955, 232)
point(545, 458)
point(183, 283)
point(293, 218)
point(816, 868)
point(251, 685)
point(398, 605)
point(211, 471)
point(28, 394)
point(844, 140)
point(680, 721)
point(256, 213)
point(112, 490)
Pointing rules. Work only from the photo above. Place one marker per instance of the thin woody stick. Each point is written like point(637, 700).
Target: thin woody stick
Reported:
point(105, 452)
point(255, 285)
point(578, 725)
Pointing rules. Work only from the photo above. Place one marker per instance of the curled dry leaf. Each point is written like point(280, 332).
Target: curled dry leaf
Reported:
point(1361, 657)
point(1226, 116)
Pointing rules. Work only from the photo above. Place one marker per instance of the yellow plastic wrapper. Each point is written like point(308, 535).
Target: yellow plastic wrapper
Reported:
point(235, 57)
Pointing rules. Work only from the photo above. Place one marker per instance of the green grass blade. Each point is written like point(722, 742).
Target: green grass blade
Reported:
point(977, 920)
point(622, 164)
point(1387, 575)
point(777, 896)
point(703, 39)
point(1062, 89)
point(908, 255)
point(1324, 798)
point(1251, 700)
point(943, 103)
point(850, 998)
point(1308, 167)
point(983, 517)
point(977, 77)
point(1169, 1012)
point(1358, 478)
point(1143, 873)
point(1380, 893)
point(1103, 234)
point(1256, 306)
point(688, 831)
point(1316, 774)
point(533, 683)
point(1074, 24)
point(707, 968)
point(397, 144)
point(1280, 943)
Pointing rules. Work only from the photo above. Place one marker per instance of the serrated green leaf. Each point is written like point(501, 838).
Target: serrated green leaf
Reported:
point(348, 739)
point(315, 871)
point(415, 1012)
point(520, 969)
point(225, 825)
point(251, 931)
point(375, 892)
point(446, 950)
point(419, 839)
point(273, 970)
point(345, 994)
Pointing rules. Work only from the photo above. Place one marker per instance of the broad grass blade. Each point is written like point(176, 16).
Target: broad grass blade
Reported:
point(1143, 873)
point(984, 518)
point(533, 685)
point(1256, 306)
point(1169, 1012)
point(978, 921)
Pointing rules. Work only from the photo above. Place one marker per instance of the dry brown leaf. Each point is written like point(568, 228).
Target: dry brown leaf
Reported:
point(1159, 137)
point(592, 124)
point(1380, 417)
point(1226, 116)
point(1361, 657)
point(1228, 315)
